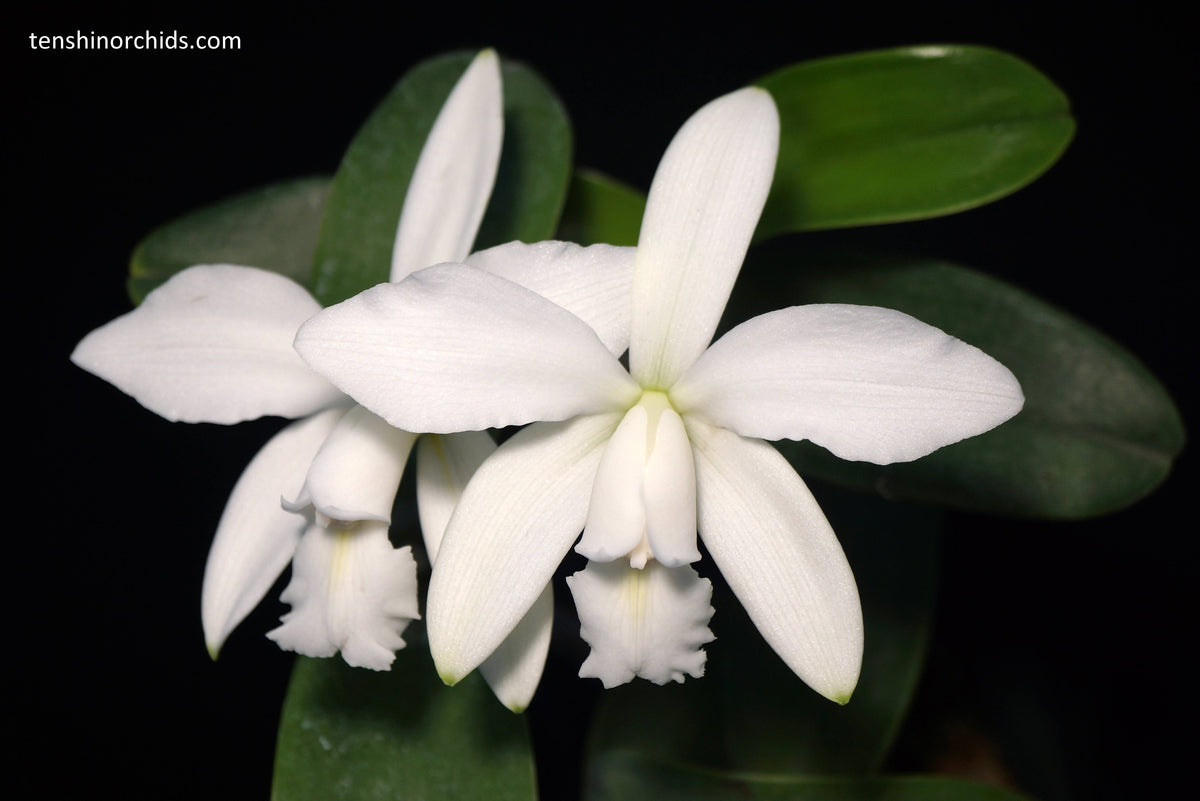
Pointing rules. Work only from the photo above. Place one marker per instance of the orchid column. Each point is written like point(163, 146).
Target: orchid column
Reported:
point(640, 460)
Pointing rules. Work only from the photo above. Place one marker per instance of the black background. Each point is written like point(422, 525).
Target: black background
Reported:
point(1092, 621)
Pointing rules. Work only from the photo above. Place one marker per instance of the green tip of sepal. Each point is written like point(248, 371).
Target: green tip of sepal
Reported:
point(449, 679)
point(516, 709)
point(842, 699)
point(214, 650)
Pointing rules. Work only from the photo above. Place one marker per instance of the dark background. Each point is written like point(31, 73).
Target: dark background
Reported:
point(1081, 630)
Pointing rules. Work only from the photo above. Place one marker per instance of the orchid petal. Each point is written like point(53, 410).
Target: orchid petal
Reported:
point(445, 463)
point(256, 538)
point(517, 518)
point(671, 494)
point(454, 175)
point(357, 471)
point(515, 667)
point(703, 205)
point(867, 383)
point(593, 283)
point(455, 348)
point(616, 519)
point(649, 623)
point(351, 591)
point(780, 557)
point(212, 345)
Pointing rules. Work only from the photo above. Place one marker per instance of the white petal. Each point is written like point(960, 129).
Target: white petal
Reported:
point(455, 348)
point(357, 471)
point(445, 463)
point(704, 203)
point(671, 494)
point(351, 591)
point(593, 283)
point(780, 556)
point(867, 383)
point(515, 668)
point(212, 345)
point(649, 623)
point(453, 178)
point(616, 517)
point(517, 518)
point(256, 538)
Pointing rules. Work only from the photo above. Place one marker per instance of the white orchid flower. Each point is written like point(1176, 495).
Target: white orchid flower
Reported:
point(214, 344)
point(640, 459)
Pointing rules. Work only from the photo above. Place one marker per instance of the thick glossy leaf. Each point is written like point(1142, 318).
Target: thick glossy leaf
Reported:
point(601, 210)
point(359, 228)
point(1098, 430)
point(750, 712)
point(630, 776)
point(349, 733)
point(274, 228)
point(908, 133)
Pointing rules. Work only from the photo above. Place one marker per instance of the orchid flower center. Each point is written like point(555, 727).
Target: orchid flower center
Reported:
point(643, 502)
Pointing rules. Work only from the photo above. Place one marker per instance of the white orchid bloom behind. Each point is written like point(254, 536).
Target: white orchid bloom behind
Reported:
point(640, 460)
point(213, 344)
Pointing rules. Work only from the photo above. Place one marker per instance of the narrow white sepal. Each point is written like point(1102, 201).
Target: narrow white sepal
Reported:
point(455, 348)
point(649, 622)
point(454, 175)
point(517, 519)
point(357, 471)
point(212, 345)
point(594, 283)
point(514, 669)
point(445, 463)
point(351, 591)
point(670, 494)
point(256, 538)
point(781, 558)
point(867, 383)
point(703, 206)
point(616, 517)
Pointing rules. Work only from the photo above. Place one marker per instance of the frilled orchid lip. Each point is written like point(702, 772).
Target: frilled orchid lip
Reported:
point(623, 454)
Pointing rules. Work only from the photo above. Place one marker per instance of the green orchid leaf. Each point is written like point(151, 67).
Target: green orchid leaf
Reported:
point(358, 232)
point(750, 712)
point(775, 723)
point(601, 209)
point(352, 734)
point(274, 228)
point(1098, 430)
point(908, 133)
point(630, 776)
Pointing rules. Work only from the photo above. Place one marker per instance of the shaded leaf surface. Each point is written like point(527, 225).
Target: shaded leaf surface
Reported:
point(349, 733)
point(632, 777)
point(273, 228)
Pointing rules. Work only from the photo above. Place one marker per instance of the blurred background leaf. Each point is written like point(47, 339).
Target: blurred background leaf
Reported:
point(629, 776)
point(349, 733)
point(601, 209)
point(274, 228)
